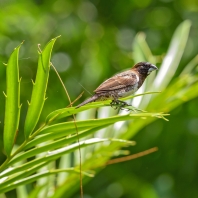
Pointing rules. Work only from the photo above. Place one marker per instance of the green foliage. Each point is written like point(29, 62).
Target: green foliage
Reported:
point(56, 139)
point(59, 139)
point(95, 44)
point(39, 89)
point(12, 95)
point(173, 94)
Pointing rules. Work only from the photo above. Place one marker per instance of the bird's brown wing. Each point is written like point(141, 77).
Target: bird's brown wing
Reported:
point(119, 81)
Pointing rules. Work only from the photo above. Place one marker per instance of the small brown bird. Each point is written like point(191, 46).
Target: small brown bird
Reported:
point(122, 84)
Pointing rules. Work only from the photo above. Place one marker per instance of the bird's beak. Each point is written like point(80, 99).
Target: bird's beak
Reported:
point(152, 68)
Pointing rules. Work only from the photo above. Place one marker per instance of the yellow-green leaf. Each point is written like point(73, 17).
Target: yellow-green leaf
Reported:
point(39, 89)
point(12, 107)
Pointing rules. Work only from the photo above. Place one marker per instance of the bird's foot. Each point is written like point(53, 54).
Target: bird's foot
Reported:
point(118, 104)
point(114, 104)
point(124, 106)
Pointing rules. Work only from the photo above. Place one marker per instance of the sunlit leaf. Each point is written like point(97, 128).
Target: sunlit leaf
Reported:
point(12, 109)
point(172, 59)
point(39, 89)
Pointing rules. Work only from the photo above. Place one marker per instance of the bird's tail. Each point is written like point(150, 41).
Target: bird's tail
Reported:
point(92, 99)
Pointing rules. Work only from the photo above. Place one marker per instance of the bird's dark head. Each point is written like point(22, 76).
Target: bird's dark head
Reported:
point(144, 68)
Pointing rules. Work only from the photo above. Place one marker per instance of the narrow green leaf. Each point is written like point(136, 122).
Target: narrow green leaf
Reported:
point(95, 122)
point(13, 174)
point(178, 92)
point(53, 145)
point(190, 66)
point(26, 180)
point(141, 50)
point(39, 89)
point(12, 108)
point(53, 155)
point(59, 128)
point(51, 136)
point(65, 112)
point(22, 192)
point(2, 196)
point(35, 192)
point(173, 57)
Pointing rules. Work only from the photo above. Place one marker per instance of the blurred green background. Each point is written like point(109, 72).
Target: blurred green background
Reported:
point(96, 42)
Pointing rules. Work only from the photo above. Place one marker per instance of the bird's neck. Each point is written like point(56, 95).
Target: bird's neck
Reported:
point(142, 78)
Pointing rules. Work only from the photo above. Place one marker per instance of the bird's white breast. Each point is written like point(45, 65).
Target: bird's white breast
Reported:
point(132, 89)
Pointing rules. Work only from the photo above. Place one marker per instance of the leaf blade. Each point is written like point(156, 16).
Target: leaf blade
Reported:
point(39, 89)
point(173, 57)
point(12, 109)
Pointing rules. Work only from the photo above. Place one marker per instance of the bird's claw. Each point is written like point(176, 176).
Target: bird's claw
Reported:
point(115, 104)
point(118, 103)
